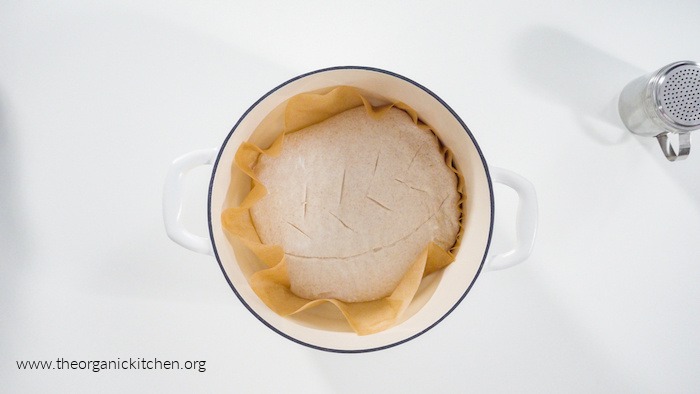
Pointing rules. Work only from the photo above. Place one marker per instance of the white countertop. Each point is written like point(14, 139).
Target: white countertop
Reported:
point(97, 99)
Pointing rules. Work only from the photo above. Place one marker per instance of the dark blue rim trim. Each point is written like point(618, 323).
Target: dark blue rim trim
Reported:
point(216, 165)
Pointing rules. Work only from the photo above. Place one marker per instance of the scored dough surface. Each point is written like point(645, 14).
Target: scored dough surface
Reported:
point(353, 201)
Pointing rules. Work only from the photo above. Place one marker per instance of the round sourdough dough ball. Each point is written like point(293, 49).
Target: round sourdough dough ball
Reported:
point(354, 201)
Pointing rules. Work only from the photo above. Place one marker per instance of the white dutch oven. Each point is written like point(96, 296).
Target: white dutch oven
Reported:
point(439, 293)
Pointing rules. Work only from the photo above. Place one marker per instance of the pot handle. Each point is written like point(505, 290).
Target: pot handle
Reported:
point(172, 200)
point(526, 220)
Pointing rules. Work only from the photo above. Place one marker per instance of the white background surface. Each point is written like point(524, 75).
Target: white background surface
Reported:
point(96, 99)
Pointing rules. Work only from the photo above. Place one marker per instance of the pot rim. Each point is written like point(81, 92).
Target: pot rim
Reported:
point(211, 230)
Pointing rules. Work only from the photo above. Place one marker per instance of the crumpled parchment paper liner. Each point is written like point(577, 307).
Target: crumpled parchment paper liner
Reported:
point(272, 284)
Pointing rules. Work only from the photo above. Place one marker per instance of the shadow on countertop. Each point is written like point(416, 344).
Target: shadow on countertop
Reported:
point(558, 66)
point(13, 230)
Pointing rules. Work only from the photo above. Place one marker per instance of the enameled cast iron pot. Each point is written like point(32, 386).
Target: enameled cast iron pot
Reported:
point(439, 293)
